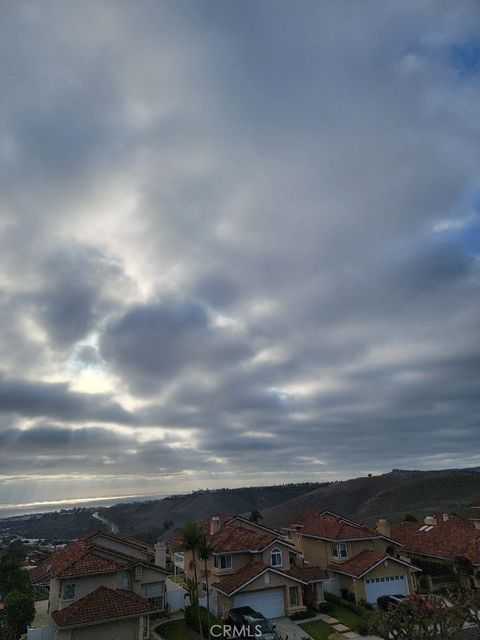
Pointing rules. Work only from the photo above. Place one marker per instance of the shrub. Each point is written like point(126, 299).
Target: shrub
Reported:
point(301, 615)
point(325, 607)
point(191, 618)
point(363, 628)
point(360, 610)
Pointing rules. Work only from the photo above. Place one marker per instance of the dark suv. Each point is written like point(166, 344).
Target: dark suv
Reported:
point(386, 602)
point(253, 624)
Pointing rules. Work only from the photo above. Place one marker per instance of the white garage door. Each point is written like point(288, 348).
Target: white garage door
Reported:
point(268, 602)
point(387, 586)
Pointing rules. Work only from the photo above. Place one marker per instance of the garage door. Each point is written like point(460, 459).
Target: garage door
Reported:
point(268, 602)
point(387, 586)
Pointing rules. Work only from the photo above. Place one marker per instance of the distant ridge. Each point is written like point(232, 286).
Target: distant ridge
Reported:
point(390, 495)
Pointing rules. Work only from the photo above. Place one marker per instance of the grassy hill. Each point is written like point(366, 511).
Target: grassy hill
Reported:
point(389, 496)
point(177, 510)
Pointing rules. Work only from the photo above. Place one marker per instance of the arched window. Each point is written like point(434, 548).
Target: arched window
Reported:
point(276, 558)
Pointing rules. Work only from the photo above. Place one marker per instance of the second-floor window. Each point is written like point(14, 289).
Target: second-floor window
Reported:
point(339, 550)
point(276, 558)
point(223, 562)
point(126, 581)
point(68, 591)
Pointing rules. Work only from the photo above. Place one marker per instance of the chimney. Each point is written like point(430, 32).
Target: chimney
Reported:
point(161, 555)
point(214, 525)
point(383, 528)
point(430, 520)
point(445, 517)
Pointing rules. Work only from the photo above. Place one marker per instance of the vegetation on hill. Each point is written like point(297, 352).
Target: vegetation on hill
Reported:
point(391, 496)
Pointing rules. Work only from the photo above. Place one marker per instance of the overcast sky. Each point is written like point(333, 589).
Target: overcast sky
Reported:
point(240, 242)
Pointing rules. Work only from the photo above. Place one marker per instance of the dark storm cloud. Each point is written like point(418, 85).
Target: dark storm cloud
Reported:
point(33, 399)
point(150, 344)
point(254, 225)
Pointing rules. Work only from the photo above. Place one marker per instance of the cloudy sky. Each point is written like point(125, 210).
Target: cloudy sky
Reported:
point(240, 242)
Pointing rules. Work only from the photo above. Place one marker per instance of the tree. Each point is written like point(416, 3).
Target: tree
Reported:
point(12, 576)
point(467, 602)
point(205, 551)
point(255, 516)
point(192, 536)
point(409, 518)
point(19, 611)
point(420, 619)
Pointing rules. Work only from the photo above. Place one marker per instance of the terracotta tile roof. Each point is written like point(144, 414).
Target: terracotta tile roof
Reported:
point(231, 583)
point(234, 581)
point(39, 574)
point(363, 562)
point(330, 526)
point(78, 559)
point(101, 605)
point(359, 564)
point(447, 539)
point(238, 538)
point(230, 537)
point(308, 574)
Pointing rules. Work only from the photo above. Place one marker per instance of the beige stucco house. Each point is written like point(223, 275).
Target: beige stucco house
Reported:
point(104, 586)
point(254, 566)
point(362, 563)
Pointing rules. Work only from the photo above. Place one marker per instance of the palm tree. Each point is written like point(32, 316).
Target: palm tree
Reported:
point(192, 535)
point(205, 551)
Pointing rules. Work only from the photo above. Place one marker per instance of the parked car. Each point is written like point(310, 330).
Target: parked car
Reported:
point(386, 602)
point(254, 624)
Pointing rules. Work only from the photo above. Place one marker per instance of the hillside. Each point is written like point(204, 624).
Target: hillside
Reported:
point(177, 510)
point(389, 496)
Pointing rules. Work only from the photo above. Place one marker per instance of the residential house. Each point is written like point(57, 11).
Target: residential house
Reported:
point(103, 586)
point(443, 544)
point(362, 563)
point(254, 566)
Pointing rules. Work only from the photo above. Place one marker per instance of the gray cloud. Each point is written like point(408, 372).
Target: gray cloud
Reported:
point(255, 226)
point(52, 400)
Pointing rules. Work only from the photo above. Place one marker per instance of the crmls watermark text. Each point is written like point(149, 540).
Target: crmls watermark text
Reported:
point(220, 630)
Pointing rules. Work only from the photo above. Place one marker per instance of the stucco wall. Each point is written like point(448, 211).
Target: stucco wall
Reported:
point(87, 584)
point(125, 630)
point(318, 552)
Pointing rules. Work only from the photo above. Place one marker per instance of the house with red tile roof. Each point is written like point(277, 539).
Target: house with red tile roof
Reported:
point(362, 563)
point(103, 586)
point(446, 540)
point(253, 566)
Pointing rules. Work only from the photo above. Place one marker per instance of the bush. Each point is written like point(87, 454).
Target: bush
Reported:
point(302, 615)
point(358, 609)
point(191, 618)
point(363, 628)
point(325, 607)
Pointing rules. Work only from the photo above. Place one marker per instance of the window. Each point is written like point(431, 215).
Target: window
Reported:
point(223, 562)
point(293, 595)
point(153, 592)
point(68, 591)
point(276, 558)
point(138, 572)
point(339, 550)
point(126, 581)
